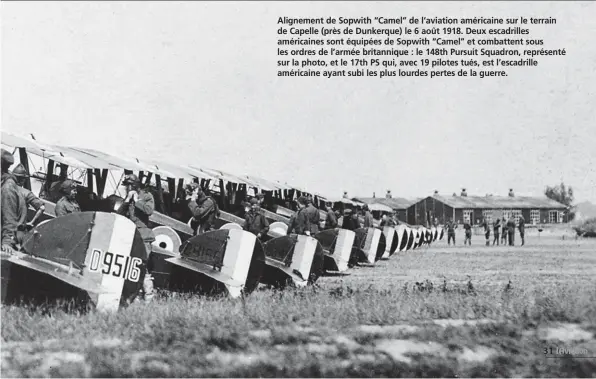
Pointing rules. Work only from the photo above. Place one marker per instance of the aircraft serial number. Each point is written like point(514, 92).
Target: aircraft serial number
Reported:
point(128, 268)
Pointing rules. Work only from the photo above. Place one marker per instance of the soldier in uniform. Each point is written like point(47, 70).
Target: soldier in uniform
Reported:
point(255, 221)
point(13, 206)
point(350, 220)
point(504, 231)
point(204, 209)
point(511, 231)
point(299, 222)
point(368, 218)
point(331, 221)
point(522, 229)
point(31, 200)
point(313, 216)
point(451, 226)
point(496, 229)
point(68, 202)
point(486, 227)
point(137, 207)
point(468, 231)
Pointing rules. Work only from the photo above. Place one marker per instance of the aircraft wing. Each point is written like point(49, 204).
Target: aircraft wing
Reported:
point(43, 150)
point(97, 159)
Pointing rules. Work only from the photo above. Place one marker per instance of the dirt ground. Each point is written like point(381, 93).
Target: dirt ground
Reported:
point(438, 311)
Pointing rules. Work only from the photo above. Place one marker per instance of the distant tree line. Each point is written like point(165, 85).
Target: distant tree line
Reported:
point(563, 195)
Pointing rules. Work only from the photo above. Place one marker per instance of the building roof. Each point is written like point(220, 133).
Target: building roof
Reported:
point(395, 203)
point(379, 207)
point(499, 202)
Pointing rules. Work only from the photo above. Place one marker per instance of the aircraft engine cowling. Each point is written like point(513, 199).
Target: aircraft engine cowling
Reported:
point(277, 229)
point(231, 225)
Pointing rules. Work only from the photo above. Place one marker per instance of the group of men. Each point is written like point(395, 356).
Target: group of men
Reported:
point(502, 227)
point(306, 219)
point(139, 205)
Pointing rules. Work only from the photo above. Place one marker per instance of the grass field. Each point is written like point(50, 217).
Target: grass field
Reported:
point(439, 311)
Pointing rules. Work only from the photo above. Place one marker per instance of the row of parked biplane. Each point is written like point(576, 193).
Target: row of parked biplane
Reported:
point(96, 256)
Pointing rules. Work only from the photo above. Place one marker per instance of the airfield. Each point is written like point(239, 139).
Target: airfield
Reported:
point(437, 311)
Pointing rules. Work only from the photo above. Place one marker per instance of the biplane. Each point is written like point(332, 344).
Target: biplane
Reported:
point(95, 258)
point(337, 246)
point(369, 246)
point(227, 260)
point(96, 168)
point(295, 260)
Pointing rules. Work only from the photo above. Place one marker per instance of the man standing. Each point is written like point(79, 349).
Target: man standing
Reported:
point(504, 232)
point(522, 229)
point(299, 222)
point(137, 207)
point(468, 231)
point(368, 218)
point(486, 227)
point(13, 206)
point(356, 221)
point(451, 226)
point(511, 231)
point(204, 209)
point(313, 217)
point(255, 221)
point(350, 220)
point(67, 203)
point(496, 229)
point(331, 221)
point(30, 199)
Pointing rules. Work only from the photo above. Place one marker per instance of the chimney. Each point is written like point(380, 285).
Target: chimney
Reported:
point(436, 192)
point(374, 195)
point(388, 195)
point(463, 192)
point(511, 194)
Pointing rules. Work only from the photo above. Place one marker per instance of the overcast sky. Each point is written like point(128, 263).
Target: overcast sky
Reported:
point(195, 82)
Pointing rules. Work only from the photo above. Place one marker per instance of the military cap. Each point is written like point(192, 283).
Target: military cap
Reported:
point(20, 170)
point(260, 196)
point(7, 157)
point(131, 179)
point(67, 186)
point(302, 200)
point(254, 201)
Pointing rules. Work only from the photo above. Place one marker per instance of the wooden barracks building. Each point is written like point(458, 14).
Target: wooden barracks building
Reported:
point(535, 210)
